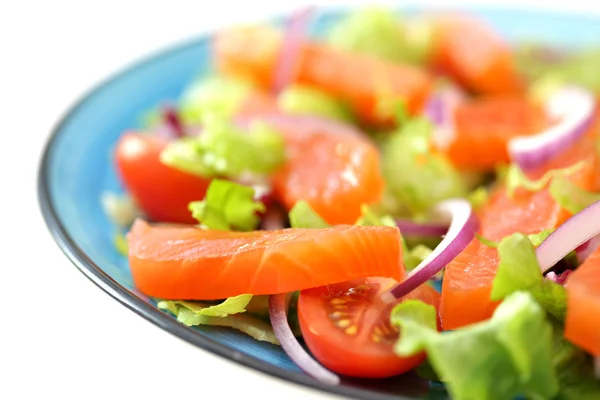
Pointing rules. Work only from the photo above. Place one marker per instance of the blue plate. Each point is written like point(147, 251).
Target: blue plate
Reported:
point(76, 168)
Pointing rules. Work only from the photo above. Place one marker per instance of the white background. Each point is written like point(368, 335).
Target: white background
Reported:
point(61, 336)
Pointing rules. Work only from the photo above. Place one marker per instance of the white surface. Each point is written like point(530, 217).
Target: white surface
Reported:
point(60, 335)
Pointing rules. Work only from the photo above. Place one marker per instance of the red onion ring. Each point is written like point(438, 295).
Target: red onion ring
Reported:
point(410, 228)
point(561, 279)
point(463, 226)
point(440, 111)
point(278, 306)
point(577, 230)
point(585, 250)
point(574, 107)
point(292, 43)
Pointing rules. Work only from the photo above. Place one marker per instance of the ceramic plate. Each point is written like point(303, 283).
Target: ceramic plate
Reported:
point(76, 168)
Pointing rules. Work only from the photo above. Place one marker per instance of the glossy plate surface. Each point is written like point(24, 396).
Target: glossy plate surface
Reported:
point(77, 168)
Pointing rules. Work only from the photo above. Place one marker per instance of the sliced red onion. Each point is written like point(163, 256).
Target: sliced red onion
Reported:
point(574, 108)
point(278, 306)
point(292, 41)
point(440, 110)
point(273, 220)
point(577, 230)
point(411, 228)
point(441, 105)
point(585, 250)
point(463, 227)
point(170, 126)
point(561, 278)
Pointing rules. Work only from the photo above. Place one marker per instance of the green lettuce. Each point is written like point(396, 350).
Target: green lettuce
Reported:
point(121, 244)
point(213, 96)
point(381, 33)
point(416, 255)
point(507, 356)
point(570, 196)
point(418, 178)
point(190, 313)
point(228, 206)
point(232, 305)
point(299, 99)
point(516, 178)
point(303, 216)
point(370, 218)
point(571, 67)
point(519, 270)
point(224, 149)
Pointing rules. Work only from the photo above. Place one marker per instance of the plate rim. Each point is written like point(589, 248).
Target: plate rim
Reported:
point(94, 273)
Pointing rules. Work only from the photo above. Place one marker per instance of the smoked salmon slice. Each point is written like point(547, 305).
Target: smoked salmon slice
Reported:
point(189, 263)
point(333, 169)
point(361, 81)
point(582, 326)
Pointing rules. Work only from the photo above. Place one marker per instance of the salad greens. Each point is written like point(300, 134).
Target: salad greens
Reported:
point(303, 216)
point(415, 175)
point(228, 206)
point(509, 355)
point(519, 270)
point(380, 33)
point(224, 149)
point(195, 313)
point(215, 96)
point(307, 100)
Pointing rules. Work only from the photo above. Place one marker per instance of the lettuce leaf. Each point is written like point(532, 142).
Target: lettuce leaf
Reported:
point(232, 305)
point(516, 178)
point(303, 216)
point(519, 270)
point(370, 218)
point(509, 355)
point(224, 149)
point(380, 33)
point(570, 196)
point(228, 206)
point(417, 177)
point(416, 255)
point(299, 99)
point(213, 96)
point(191, 314)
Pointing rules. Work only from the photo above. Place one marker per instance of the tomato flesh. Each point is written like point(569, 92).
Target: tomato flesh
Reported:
point(347, 329)
point(163, 193)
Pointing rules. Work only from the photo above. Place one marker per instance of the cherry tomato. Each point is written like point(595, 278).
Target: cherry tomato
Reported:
point(163, 193)
point(347, 327)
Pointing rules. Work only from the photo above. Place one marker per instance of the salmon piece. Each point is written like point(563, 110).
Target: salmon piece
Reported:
point(468, 279)
point(336, 170)
point(483, 128)
point(582, 326)
point(183, 262)
point(249, 52)
point(476, 56)
point(359, 80)
point(363, 82)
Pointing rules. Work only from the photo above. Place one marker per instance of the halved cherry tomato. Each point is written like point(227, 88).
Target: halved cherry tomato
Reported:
point(163, 193)
point(347, 329)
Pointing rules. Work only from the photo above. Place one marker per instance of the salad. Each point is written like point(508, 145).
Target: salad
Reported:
point(405, 194)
